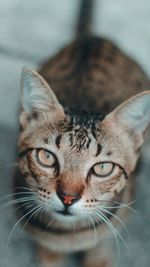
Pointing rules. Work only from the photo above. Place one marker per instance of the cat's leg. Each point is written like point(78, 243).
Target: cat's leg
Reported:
point(47, 258)
point(98, 257)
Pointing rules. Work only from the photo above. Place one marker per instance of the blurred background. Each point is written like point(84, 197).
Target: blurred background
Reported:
point(30, 32)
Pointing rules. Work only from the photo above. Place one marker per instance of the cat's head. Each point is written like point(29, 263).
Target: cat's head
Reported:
point(76, 164)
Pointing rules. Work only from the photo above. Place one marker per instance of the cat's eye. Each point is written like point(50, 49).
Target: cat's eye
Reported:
point(46, 158)
point(103, 169)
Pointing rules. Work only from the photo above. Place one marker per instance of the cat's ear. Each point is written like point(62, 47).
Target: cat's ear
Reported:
point(133, 116)
point(37, 96)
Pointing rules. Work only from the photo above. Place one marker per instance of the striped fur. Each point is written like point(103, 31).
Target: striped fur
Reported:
point(86, 125)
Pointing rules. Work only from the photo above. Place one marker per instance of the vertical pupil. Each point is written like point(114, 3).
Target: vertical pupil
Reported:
point(47, 155)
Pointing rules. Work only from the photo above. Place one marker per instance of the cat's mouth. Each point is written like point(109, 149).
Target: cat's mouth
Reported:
point(64, 212)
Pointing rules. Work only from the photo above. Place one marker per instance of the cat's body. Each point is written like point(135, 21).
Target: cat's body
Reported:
point(78, 162)
point(85, 75)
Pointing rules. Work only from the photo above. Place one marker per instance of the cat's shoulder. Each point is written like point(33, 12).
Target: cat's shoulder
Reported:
point(92, 67)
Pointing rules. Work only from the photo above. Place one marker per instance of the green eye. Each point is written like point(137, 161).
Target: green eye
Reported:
point(46, 158)
point(103, 169)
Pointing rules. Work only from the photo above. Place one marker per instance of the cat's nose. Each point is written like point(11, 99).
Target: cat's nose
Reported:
point(68, 199)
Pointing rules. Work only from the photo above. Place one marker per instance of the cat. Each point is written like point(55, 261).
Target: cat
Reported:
point(82, 123)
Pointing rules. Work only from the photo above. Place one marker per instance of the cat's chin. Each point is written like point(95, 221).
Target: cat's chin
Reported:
point(65, 217)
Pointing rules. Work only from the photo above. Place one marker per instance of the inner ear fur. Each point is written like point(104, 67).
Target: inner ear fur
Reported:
point(133, 116)
point(37, 98)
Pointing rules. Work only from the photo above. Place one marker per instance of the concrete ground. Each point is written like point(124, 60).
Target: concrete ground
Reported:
point(30, 32)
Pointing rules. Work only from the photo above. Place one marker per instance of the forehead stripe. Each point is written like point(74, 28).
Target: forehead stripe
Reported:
point(99, 149)
point(57, 140)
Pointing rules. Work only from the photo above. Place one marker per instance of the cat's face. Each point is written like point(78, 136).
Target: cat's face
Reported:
point(72, 167)
point(76, 165)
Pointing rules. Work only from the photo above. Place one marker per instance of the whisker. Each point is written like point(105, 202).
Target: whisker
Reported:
point(126, 205)
point(117, 202)
point(17, 223)
point(50, 222)
point(88, 220)
point(12, 202)
point(31, 203)
point(16, 194)
point(26, 188)
point(98, 221)
point(113, 230)
point(39, 208)
point(120, 237)
point(117, 218)
point(119, 205)
point(93, 224)
point(45, 209)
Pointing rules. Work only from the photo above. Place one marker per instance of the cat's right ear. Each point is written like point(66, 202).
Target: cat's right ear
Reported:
point(37, 98)
point(132, 117)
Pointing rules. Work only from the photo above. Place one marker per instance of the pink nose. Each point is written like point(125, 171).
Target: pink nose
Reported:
point(68, 199)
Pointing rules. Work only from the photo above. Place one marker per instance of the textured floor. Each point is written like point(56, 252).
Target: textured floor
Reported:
point(30, 31)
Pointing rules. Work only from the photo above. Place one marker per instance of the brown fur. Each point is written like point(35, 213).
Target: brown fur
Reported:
point(91, 74)
point(83, 73)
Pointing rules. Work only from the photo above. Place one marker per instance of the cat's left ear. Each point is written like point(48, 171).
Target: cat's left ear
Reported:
point(37, 97)
point(133, 116)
